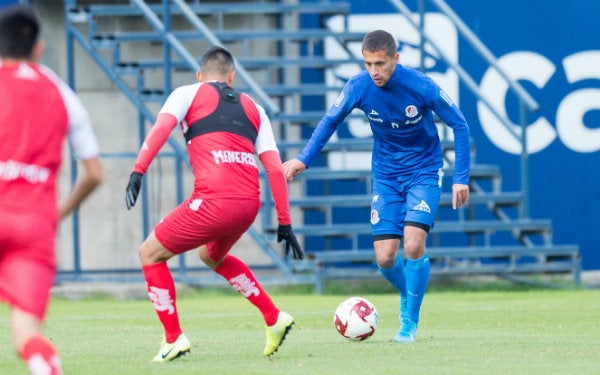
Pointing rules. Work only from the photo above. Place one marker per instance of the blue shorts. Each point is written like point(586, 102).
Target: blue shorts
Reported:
point(395, 202)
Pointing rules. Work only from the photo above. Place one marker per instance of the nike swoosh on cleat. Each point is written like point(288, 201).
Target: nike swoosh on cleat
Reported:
point(166, 354)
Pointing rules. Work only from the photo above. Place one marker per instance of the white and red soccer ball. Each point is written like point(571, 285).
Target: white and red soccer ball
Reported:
point(356, 319)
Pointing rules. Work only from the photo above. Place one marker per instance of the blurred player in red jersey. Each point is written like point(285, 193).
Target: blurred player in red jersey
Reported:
point(224, 129)
point(37, 113)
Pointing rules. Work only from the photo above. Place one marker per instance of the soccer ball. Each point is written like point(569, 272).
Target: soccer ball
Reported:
point(356, 319)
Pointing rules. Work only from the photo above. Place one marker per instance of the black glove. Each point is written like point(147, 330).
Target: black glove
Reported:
point(284, 233)
point(133, 189)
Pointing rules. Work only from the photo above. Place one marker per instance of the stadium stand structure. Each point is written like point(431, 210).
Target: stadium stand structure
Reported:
point(145, 48)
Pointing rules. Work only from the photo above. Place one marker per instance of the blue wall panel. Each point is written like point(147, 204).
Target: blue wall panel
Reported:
point(554, 52)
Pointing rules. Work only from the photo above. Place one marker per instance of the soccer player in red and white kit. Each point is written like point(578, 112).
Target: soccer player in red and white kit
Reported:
point(37, 112)
point(224, 129)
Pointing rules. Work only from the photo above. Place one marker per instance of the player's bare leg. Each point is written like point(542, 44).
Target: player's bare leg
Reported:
point(37, 351)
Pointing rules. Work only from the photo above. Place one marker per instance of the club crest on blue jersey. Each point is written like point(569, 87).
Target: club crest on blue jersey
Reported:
point(374, 217)
point(411, 111)
point(413, 116)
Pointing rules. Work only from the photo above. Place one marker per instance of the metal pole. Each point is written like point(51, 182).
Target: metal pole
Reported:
point(270, 107)
point(73, 162)
point(524, 161)
point(422, 34)
point(144, 198)
point(167, 48)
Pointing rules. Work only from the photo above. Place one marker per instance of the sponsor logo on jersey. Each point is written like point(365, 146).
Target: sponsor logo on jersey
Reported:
point(374, 116)
point(26, 72)
point(12, 170)
point(195, 204)
point(237, 157)
point(413, 121)
point(423, 206)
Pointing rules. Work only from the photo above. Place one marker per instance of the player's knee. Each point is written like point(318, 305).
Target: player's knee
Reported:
point(144, 254)
point(204, 257)
point(385, 259)
point(414, 249)
point(152, 254)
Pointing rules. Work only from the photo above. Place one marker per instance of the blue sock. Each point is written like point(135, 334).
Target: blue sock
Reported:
point(395, 276)
point(417, 278)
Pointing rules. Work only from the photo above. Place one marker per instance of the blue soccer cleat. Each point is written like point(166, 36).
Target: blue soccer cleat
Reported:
point(407, 332)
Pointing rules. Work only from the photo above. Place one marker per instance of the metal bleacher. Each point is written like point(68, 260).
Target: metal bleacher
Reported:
point(490, 236)
point(493, 235)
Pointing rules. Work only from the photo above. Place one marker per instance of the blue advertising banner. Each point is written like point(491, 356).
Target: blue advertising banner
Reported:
point(4, 3)
point(550, 49)
point(555, 54)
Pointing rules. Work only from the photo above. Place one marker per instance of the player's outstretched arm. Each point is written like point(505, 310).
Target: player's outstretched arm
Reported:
point(156, 138)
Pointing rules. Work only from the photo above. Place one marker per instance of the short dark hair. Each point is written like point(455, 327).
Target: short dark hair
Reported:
point(19, 30)
point(217, 59)
point(380, 40)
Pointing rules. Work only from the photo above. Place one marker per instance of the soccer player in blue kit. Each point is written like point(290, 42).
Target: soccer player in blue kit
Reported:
point(407, 164)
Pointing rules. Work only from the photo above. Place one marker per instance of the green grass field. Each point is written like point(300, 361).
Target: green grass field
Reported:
point(461, 332)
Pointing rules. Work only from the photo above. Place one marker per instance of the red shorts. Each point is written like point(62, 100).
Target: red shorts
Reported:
point(217, 223)
point(27, 260)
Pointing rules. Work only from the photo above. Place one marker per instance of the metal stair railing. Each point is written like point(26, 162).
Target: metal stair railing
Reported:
point(161, 26)
point(270, 107)
point(145, 115)
point(526, 101)
point(73, 34)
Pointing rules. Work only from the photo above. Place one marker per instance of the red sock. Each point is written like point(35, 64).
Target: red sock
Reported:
point(239, 276)
point(41, 356)
point(161, 290)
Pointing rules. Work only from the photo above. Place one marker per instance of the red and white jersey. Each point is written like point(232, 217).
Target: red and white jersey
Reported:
point(37, 112)
point(222, 150)
point(224, 130)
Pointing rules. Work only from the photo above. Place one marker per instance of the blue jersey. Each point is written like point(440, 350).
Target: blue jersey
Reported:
point(401, 116)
